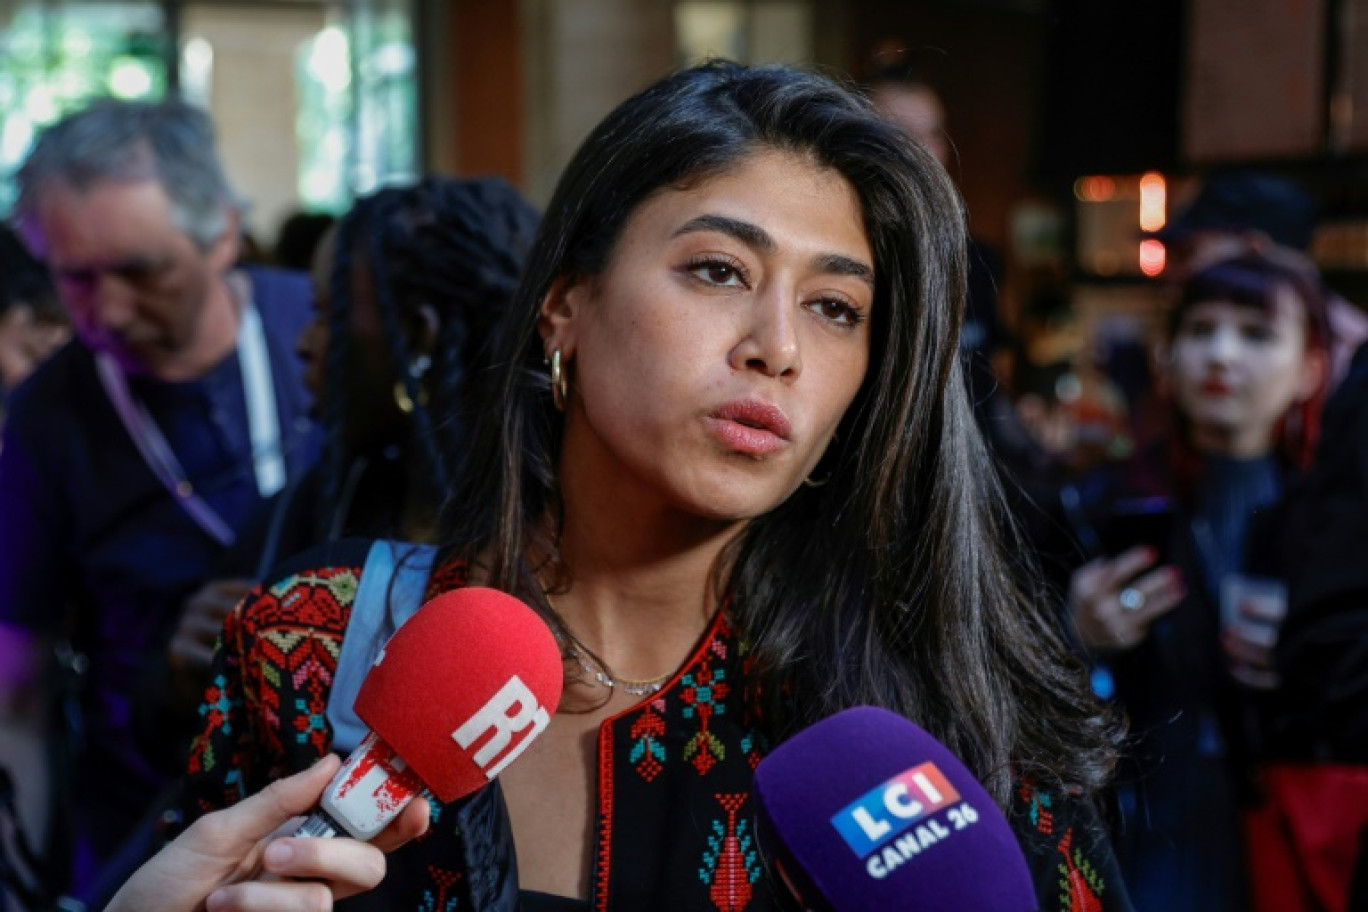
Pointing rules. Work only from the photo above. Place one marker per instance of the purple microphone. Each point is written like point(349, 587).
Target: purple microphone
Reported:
point(865, 812)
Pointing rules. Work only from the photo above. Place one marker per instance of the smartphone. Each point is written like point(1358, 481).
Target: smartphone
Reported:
point(1140, 521)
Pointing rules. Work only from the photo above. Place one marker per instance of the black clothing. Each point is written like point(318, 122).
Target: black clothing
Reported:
point(1322, 654)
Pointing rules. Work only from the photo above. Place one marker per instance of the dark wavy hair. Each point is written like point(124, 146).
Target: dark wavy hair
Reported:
point(1255, 280)
point(889, 585)
point(457, 246)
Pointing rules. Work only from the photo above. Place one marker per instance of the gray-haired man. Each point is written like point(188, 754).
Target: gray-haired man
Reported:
point(135, 456)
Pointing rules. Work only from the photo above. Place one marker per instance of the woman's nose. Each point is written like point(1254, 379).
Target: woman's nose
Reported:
point(769, 342)
point(1222, 346)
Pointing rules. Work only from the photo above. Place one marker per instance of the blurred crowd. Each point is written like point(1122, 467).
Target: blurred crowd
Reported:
point(181, 416)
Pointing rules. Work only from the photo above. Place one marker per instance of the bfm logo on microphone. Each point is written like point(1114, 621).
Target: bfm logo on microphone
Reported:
point(507, 713)
point(888, 811)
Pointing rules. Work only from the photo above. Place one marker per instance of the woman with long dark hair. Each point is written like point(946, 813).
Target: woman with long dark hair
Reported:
point(727, 454)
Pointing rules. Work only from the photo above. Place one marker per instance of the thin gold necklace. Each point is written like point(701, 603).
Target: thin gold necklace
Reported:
point(602, 674)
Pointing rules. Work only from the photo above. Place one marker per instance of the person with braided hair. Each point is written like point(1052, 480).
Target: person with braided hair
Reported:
point(412, 276)
point(407, 287)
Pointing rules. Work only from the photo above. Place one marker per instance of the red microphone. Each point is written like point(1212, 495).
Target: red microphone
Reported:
point(458, 693)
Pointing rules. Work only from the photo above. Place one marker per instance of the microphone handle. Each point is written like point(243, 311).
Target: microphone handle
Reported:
point(320, 824)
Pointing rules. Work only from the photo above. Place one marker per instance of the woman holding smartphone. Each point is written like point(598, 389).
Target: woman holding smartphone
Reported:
point(1189, 643)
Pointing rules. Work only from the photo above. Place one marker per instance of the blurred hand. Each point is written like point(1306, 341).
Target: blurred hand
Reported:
point(192, 645)
point(26, 342)
point(237, 860)
point(1249, 639)
point(1114, 600)
point(191, 650)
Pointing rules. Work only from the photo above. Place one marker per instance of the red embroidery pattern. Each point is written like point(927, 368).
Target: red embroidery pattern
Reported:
point(730, 864)
point(648, 733)
point(704, 691)
point(447, 575)
point(1079, 884)
point(605, 823)
point(443, 880)
point(279, 660)
point(1037, 806)
point(265, 717)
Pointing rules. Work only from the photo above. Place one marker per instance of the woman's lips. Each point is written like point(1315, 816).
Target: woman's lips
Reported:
point(1216, 388)
point(750, 426)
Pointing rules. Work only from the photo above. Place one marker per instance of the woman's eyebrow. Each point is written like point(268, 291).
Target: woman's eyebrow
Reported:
point(759, 239)
point(748, 233)
point(836, 264)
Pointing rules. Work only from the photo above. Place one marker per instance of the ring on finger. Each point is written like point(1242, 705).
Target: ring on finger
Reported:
point(1131, 599)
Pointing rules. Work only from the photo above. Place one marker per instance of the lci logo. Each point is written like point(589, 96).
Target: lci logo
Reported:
point(888, 810)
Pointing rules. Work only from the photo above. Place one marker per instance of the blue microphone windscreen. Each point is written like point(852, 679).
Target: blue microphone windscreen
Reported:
point(876, 814)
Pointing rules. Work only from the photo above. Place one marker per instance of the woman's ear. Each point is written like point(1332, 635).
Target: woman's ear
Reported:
point(1315, 372)
point(561, 310)
point(424, 328)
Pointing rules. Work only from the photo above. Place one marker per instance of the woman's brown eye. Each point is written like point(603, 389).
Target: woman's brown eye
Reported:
point(838, 311)
point(718, 272)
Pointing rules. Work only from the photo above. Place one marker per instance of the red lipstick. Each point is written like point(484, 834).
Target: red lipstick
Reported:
point(1216, 388)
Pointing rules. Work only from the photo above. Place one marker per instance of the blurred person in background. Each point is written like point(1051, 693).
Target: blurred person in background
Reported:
point(407, 289)
point(1182, 611)
point(1241, 210)
point(899, 87)
point(1322, 649)
point(32, 327)
point(298, 239)
point(901, 90)
point(132, 458)
point(32, 324)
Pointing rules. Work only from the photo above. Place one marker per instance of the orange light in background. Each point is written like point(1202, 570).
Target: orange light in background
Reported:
point(1095, 189)
point(1153, 201)
point(1152, 257)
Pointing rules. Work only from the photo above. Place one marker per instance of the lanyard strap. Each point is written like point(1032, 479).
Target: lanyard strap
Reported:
point(263, 427)
point(258, 388)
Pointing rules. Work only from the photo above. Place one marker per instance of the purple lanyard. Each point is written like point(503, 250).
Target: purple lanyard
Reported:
point(263, 427)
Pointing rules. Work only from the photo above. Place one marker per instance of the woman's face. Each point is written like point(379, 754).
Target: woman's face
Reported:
point(713, 358)
point(1236, 370)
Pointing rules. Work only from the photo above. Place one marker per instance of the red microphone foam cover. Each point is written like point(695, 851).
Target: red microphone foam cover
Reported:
point(442, 666)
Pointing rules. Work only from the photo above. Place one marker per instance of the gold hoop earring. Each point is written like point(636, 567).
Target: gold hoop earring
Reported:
point(560, 383)
point(417, 369)
point(809, 482)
